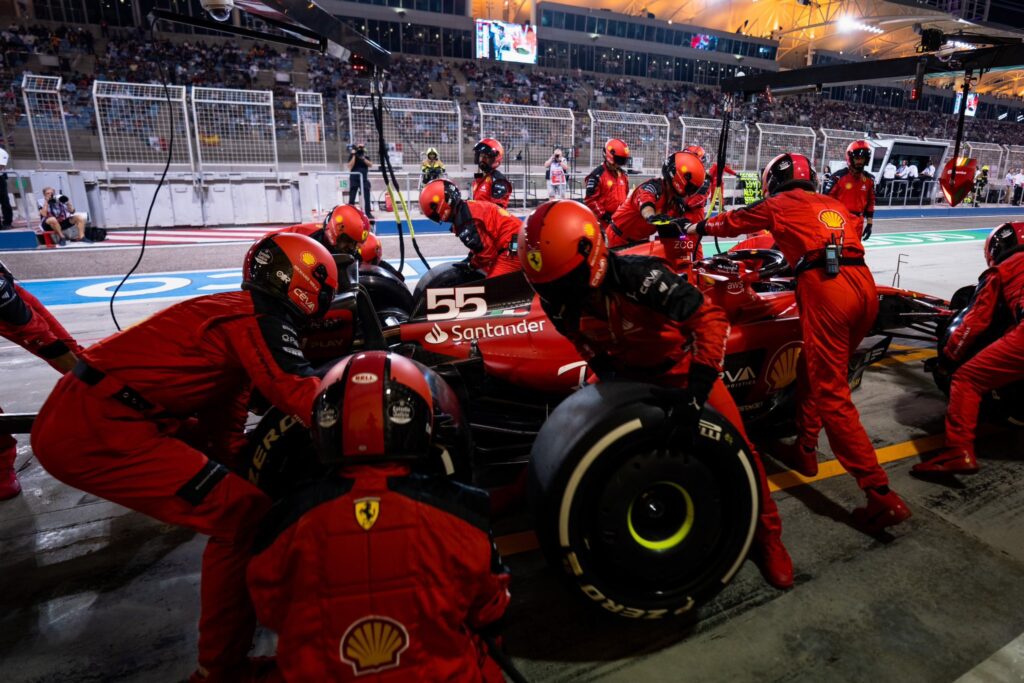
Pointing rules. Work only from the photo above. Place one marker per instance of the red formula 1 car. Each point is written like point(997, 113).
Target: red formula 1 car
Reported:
point(642, 532)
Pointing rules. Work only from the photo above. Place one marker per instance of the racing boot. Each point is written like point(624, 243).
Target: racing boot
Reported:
point(949, 461)
point(884, 509)
point(774, 561)
point(801, 458)
point(9, 485)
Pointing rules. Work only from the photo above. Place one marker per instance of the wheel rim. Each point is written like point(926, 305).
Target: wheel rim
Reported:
point(660, 517)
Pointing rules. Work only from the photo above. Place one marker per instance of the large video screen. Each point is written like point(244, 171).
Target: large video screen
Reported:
point(972, 103)
point(704, 41)
point(505, 42)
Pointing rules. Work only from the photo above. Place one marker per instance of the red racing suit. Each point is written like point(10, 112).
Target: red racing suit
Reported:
point(141, 417)
point(491, 187)
point(27, 323)
point(488, 231)
point(835, 314)
point(999, 363)
point(629, 225)
point(376, 571)
point(652, 327)
point(856, 191)
point(606, 190)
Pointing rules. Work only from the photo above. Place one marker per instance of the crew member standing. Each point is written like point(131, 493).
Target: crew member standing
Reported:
point(359, 166)
point(854, 186)
point(27, 323)
point(149, 417)
point(607, 186)
point(432, 168)
point(634, 317)
point(654, 206)
point(490, 184)
point(6, 210)
point(488, 230)
point(372, 569)
point(838, 305)
point(998, 364)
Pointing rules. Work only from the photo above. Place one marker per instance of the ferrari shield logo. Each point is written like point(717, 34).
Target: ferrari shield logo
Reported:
point(367, 511)
point(535, 260)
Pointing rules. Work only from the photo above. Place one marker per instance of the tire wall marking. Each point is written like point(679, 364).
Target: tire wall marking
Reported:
point(754, 512)
point(581, 469)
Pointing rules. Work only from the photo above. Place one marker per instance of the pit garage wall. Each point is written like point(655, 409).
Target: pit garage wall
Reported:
point(121, 200)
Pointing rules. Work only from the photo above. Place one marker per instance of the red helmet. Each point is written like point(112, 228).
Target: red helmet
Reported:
point(562, 251)
point(370, 251)
point(294, 269)
point(379, 406)
point(345, 229)
point(684, 171)
point(439, 199)
point(616, 152)
point(1004, 241)
point(492, 150)
point(786, 172)
point(858, 149)
point(698, 152)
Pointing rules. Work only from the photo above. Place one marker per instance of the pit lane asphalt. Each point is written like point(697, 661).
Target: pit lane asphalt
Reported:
point(96, 593)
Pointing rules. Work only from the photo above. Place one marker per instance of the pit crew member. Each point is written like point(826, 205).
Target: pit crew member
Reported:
point(27, 323)
point(149, 417)
point(490, 184)
point(707, 191)
point(607, 186)
point(854, 186)
point(998, 364)
point(343, 231)
point(632, 316)
point(374, 568)
point(655, 205)
point(838, 304)
point(432, 168)
point(488, 230)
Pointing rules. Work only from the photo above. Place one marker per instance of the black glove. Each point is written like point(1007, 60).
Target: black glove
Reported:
point(668, 227)
point(602, 366)
point(684, 406)
point(868, 225)
point(465, 264)
point(607, 217)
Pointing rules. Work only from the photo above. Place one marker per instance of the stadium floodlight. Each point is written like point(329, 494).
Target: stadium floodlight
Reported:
point(847, 24)
point(1020, 117)
point(962, 45)
point(1003, 115)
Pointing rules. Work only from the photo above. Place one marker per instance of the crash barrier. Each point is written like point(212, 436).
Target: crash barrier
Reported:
point(411, 126)
point(309, 109)
point(45, 113)
point(134, 124)
point(834, 142)
point(706, 133)
point(234, 128)
point(529, 134)
point(1014, 158)
point(774, 139)
point(988, 154)
point(646, 134)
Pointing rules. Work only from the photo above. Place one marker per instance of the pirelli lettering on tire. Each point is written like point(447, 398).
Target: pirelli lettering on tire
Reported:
point(621, 610)
point(260, 457)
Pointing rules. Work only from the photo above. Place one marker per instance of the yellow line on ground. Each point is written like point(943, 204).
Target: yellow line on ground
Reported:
point(525, 541)
point(907, 357)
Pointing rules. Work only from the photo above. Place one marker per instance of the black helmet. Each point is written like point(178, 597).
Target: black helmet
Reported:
point(788, 172)
point(1004, 241)
point(296, 270)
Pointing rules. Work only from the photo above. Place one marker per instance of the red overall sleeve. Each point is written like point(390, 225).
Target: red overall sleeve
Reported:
point(709, 328)
point(490, 588)
point(268, 349)
point(751, 218)
point(979, 315)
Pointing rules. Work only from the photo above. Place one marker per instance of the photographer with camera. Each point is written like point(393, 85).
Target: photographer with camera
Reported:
point(557, 175)
point(359, 176)
point(57, 214)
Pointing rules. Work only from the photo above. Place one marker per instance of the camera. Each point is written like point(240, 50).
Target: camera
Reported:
point(63, 199)
point(219, 10)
